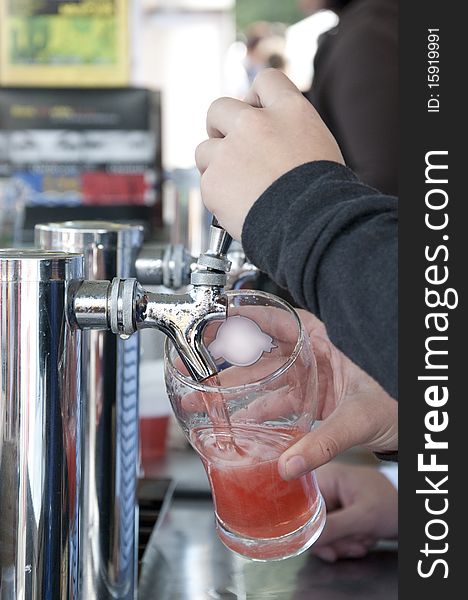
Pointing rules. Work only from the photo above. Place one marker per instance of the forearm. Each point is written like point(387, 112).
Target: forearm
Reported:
point(331, 241)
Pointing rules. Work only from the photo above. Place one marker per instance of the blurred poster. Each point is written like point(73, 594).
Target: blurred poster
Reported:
point(64, 42)
point(80, 147)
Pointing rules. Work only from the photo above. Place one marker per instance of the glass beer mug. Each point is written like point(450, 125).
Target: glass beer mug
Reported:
point(240, 421)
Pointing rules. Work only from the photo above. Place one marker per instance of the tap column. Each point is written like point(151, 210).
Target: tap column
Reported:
point(40, 433)
point(109, 525)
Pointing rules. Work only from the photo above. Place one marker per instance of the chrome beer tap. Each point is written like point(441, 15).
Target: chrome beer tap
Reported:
point(124, 307)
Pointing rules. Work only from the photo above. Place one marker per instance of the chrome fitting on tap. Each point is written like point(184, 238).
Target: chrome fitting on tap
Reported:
point(126, 306)
point(88, 304)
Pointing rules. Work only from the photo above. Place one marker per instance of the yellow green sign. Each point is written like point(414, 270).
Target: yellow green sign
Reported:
point(71, 42)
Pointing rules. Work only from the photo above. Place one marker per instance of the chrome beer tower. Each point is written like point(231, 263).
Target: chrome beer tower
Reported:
point(69, 397)
point(40, 427)
point(109, 401)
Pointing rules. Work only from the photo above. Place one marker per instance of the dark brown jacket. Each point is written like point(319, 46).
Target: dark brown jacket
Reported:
point(355, 89)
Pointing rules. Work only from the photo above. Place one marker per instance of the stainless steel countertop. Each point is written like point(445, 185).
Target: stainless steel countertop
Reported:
point(186, 561)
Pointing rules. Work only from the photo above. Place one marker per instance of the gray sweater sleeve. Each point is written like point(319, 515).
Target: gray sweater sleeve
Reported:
point(332, 242)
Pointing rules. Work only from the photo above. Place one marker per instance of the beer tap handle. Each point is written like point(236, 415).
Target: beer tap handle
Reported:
point(220, 240)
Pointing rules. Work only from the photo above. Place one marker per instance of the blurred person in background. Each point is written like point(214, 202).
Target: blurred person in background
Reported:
point(263, 40)
point(272, 52)
point(355, 86)
point(263, 47)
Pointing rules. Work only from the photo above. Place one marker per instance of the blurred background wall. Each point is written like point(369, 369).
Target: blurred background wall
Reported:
point(101, 102)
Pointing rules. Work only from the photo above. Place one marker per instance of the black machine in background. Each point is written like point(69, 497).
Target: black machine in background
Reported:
point(84, 153)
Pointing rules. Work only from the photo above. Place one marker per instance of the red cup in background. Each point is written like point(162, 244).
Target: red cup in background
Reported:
point(153, 435)
point(154, 411)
